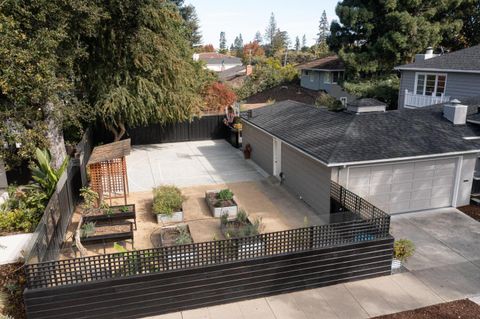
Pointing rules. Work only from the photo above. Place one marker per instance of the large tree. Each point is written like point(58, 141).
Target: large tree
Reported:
point(373, 36)
point(270, 32)
point(140, 68)
point(192, 24)
point(222, 45)
point(322, 35)
point(40, 46)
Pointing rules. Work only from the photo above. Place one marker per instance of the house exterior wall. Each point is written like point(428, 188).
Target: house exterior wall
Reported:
point(306, 178)
point(458, 85)
point(407, 82)
point(262, 146)
point(314, 83)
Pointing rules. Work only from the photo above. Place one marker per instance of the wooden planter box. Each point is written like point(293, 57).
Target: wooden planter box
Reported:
point(217, 212)
point(176, 217)
point(117, 215)
point(170, 258)
point(109, 233)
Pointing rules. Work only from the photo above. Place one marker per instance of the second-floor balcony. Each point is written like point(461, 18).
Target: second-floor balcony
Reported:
point(413, 100)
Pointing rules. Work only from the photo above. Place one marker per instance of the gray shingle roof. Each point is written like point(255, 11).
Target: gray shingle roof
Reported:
point(462, 60)
point(342, 137)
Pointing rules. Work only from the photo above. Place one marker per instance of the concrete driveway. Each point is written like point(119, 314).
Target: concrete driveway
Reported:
point(445, 267)
point(188, 164)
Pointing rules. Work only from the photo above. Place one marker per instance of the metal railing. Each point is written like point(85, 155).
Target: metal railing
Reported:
point(369, 223)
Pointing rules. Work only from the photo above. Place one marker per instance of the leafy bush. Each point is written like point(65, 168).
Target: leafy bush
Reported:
point(383, 89)
point(267, 73)
point(218, 96)
point(45, 176)
point(167, 200)
point(22, 211)
point(88, 229)
point(403, 249)
point(183, 237)
point(328, 101)
point(225, 195)
point(241, 227)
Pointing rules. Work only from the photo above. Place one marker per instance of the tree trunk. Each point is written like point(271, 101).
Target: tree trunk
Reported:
point(54, 136)
point(117, 133)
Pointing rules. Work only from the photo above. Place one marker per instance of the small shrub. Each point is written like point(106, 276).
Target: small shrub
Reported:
point(403, 249)
point(89, 196)
point(224, 219)
point(183, 237)
point(124, 209)
point(242, 216)
point(384, 89)
point(87, 229)
point(225, 195)
point(167, 200)
point(109, 212)
point(328, 101)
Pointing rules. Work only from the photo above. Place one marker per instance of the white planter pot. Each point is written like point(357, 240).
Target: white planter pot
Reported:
point(174, 218)
point(218, 212)
point(396, 264)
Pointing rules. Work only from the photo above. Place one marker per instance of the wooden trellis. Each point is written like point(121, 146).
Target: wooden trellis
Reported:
point(108, 170)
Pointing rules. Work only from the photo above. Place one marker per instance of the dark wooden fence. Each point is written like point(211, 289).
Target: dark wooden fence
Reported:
point(161, 280)
point(208, 127)
point(50, 233)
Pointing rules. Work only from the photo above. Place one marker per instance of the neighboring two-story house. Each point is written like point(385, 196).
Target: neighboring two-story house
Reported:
point(325, 74)
point(438, 78)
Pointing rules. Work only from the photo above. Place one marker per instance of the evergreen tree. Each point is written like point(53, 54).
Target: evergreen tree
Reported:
point(258, 37)
point(280, 41)
point(323, 31)
point(373, 37)
point(304, 43)
point(469, 13)
point(237, 48)
point(192, 23)
point(271, 30)
point(140, 68)
point(297, 43)
point(222, 48)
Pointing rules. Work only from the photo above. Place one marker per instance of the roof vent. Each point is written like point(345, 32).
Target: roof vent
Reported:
point(455, 112)
point(428, 55)
point(366, 106)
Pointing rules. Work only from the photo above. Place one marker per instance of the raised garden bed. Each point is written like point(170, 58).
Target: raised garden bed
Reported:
point(464, 309)
point(101, 233)
point(221, 203)
point(167, 204)
point(242, 227)
point(171, 236)
point(113, 214)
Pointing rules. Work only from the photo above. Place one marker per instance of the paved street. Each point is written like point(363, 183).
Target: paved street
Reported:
point(446, 267)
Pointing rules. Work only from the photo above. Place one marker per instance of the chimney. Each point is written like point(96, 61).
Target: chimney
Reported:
point(428, 55)
point(249, 70)
point(455, 112)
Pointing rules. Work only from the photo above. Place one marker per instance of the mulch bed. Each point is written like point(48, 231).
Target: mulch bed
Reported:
point(107, 229)
point(12, 284)
point(472, 211)
point(212, 198)
point(460, 309)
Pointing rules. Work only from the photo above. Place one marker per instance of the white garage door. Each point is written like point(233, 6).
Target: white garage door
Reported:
point(404, 187)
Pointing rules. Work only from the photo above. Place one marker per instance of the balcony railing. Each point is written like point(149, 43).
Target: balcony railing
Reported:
point(413, 100)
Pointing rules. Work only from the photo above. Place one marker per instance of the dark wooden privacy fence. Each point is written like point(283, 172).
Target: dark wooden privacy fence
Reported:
point(181, 289)
point(208, 127)
point(50, 233)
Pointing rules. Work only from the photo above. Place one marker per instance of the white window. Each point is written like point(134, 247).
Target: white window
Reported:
point(430, 84)
point(311, 76)
point(327, 77)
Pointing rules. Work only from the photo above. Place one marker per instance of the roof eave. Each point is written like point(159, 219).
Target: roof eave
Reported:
point(399, 68)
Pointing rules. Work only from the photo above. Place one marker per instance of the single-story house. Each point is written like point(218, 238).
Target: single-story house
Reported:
point(437, 78)
point(401, 161)
point(325, 74)
point(218, 62)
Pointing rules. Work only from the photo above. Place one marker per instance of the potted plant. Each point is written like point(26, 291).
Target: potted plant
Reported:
point(167, 204)
point(403, 249)
point(221, 203)
point(241, 227)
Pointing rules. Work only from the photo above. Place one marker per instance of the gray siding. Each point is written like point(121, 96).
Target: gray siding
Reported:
point(316, 84)
point(3, 176)
point(459, 85)
point(262, 147)
point(407, 82)
point(307, 178)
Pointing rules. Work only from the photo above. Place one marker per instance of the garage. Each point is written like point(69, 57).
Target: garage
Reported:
point(406, 186)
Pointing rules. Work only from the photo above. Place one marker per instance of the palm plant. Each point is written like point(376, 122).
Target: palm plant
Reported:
point(44, 174)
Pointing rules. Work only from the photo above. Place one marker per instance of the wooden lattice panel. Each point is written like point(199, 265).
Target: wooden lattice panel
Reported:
point(109, 179)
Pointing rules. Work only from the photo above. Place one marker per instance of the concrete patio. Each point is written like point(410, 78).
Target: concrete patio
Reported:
point(188, 164)
point(446, 267)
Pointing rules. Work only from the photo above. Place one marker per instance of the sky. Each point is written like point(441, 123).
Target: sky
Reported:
point(249, 16)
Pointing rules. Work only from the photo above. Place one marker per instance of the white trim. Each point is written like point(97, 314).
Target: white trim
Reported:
point(469, 138)
point(277, 156)
point(388, 160)
point(437, 70)
point(458, 176)
point(434, 93)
